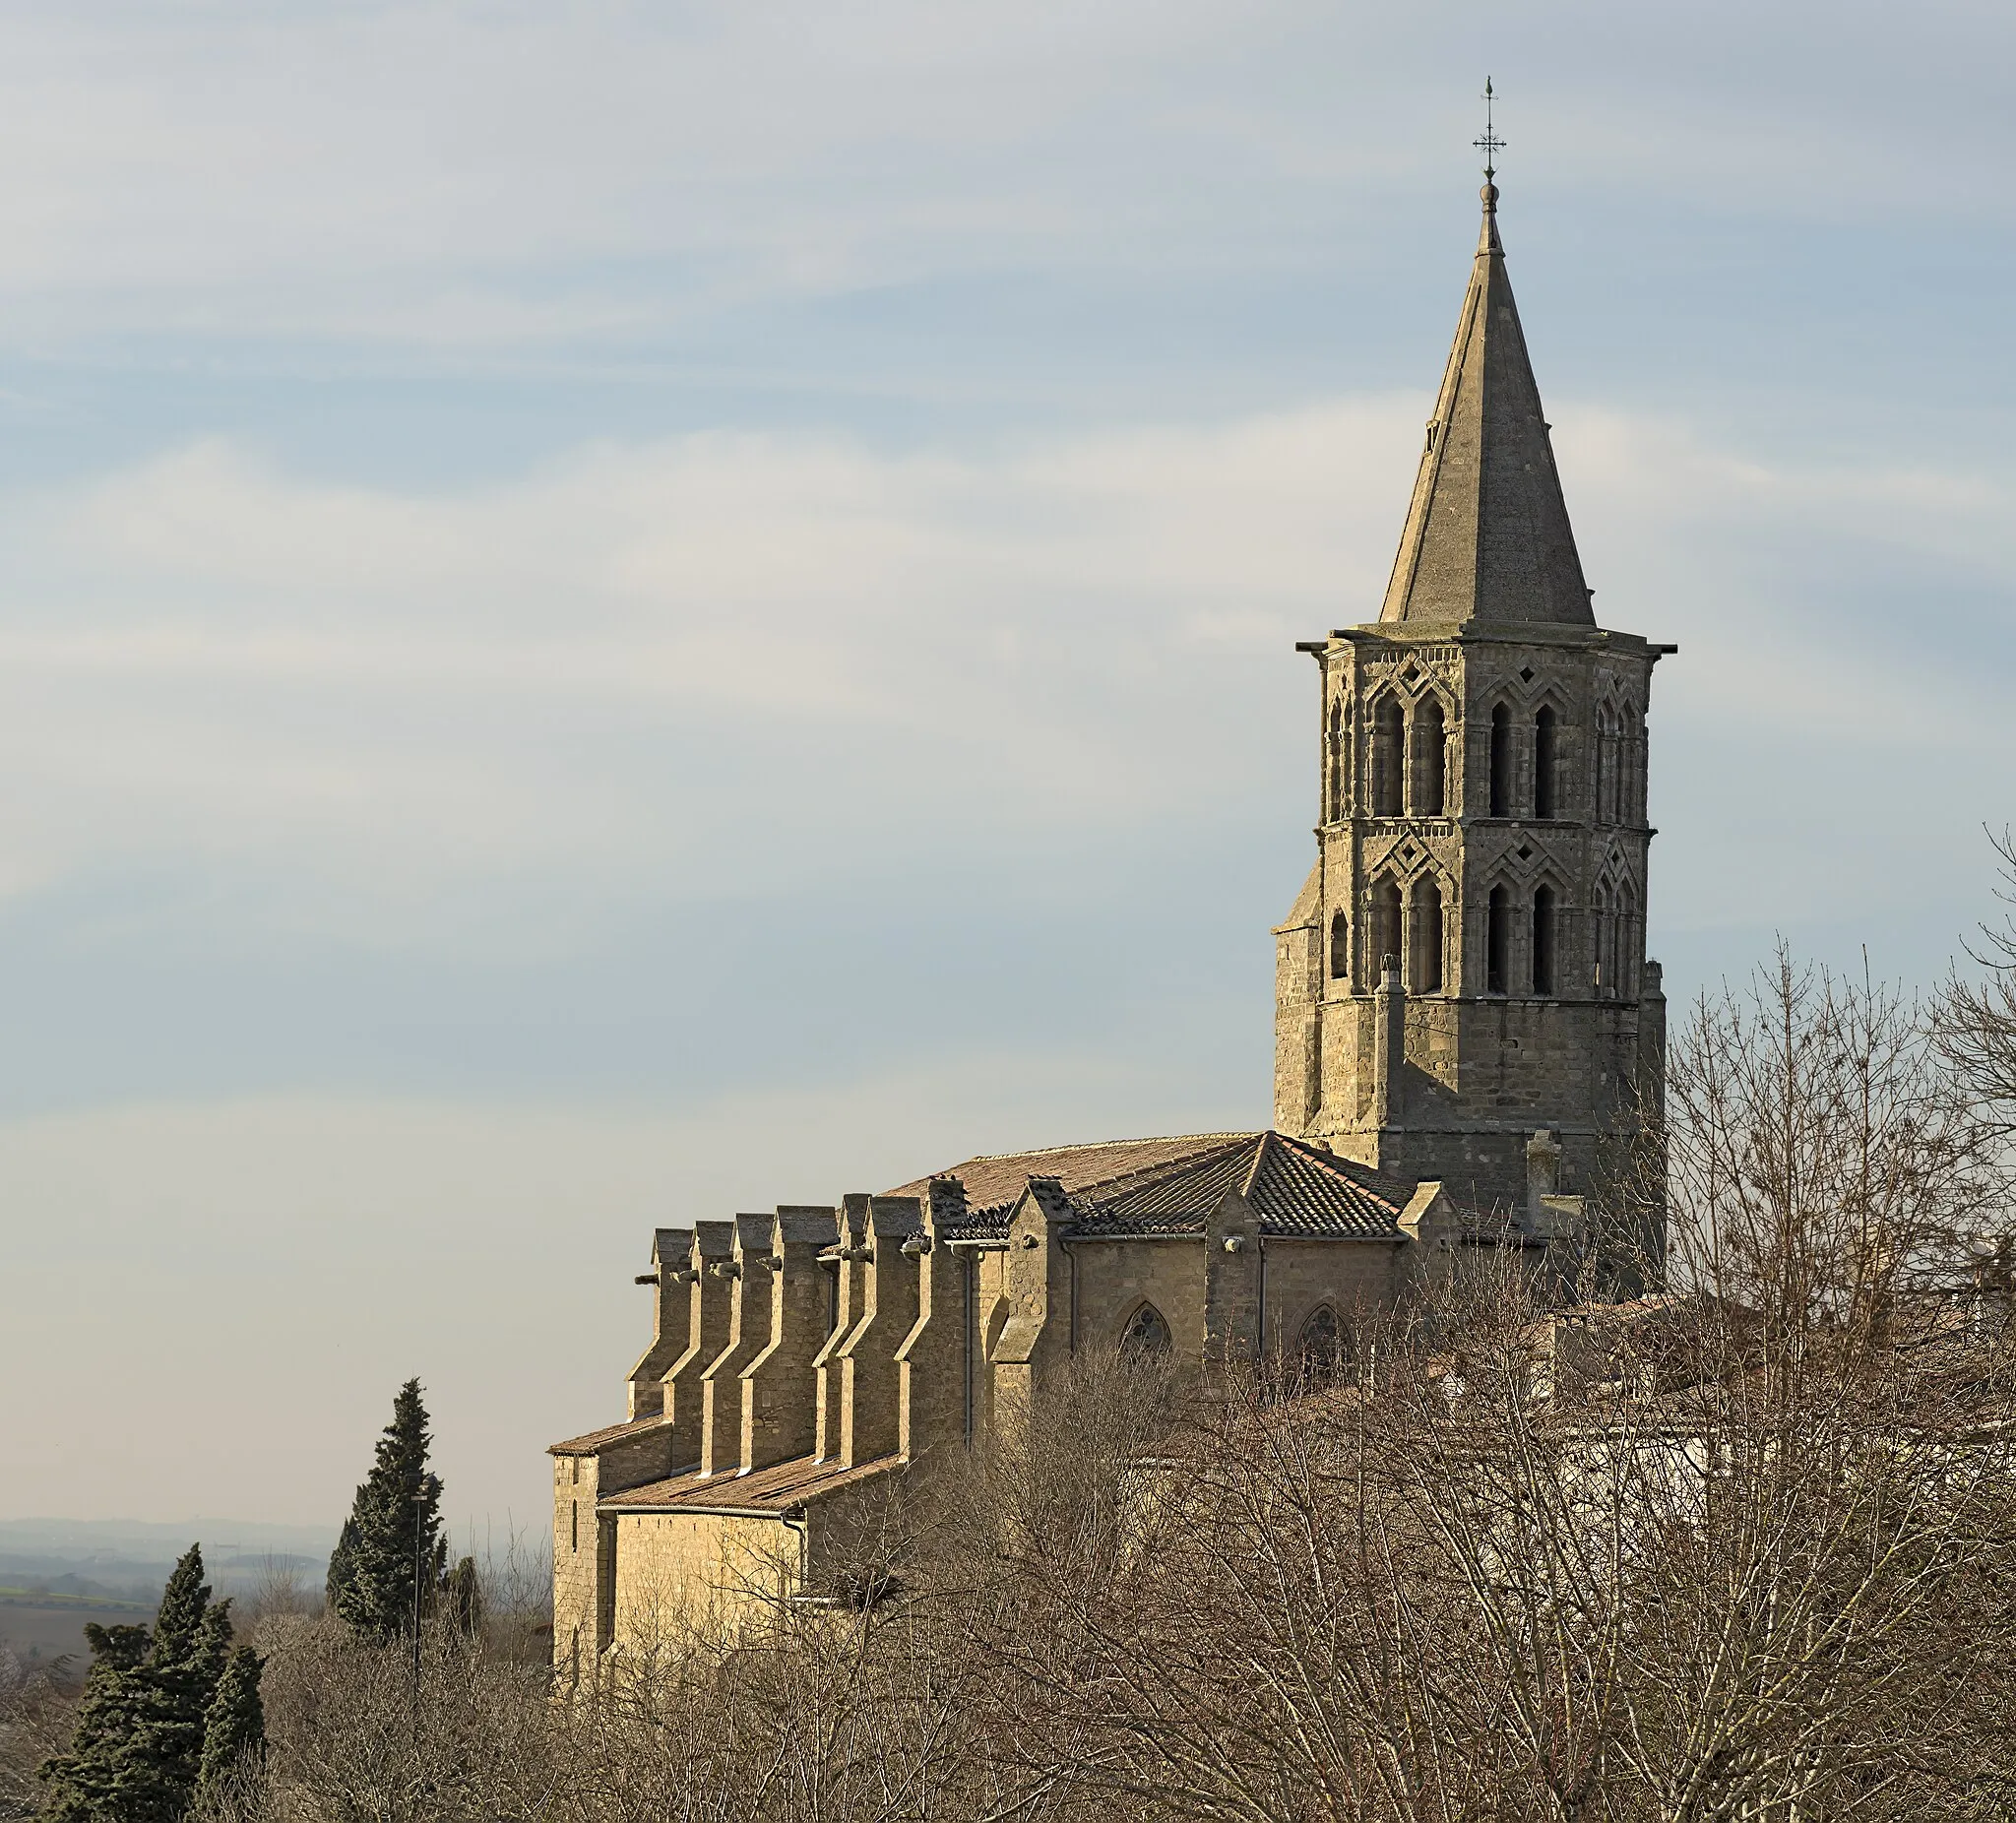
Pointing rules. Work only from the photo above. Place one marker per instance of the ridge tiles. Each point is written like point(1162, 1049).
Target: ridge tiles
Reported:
point(1487, 535)
point(1172, 1186)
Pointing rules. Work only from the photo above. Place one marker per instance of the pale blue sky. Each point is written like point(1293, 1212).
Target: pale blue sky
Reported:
point(612, 613)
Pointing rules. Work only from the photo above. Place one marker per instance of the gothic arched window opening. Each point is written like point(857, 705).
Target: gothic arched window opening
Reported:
point(1319, 1350)
point(1544, 739)
point(1333, 808)
point(1147, 1333)
point(1629, 941)
point(1543, 940)
point(1631, 769)
point(1424, 947)
point(1603, 795)
point(1385, 926)
point(1340, 946)
point(1430, 759)
point(1389, 749)
point(1501, 761)
point(1605, 921)
point(1498, 942)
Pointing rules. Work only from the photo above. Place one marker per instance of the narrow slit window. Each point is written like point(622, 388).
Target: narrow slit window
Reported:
point(1425, 960)
point(1501, 761)
point(1430, 759)
point(1334, 775)
point(1543, 940)
point(1385, 927)
point(1389, 749)
point(1543, 738)
point(1340, 946)
point(1498, 942)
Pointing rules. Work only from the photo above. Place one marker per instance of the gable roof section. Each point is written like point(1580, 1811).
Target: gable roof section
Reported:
point(1171, 1186)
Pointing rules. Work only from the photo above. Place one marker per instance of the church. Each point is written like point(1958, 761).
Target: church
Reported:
point(1468, 1035)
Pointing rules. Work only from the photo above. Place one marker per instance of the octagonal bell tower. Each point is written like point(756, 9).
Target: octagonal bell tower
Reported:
point(1465, 964)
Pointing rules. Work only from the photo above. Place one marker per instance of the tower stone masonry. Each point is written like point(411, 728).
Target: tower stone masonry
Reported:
point(1465, 964)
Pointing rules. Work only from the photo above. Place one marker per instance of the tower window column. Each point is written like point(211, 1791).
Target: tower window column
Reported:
point(1389, 750)
point(1425, 946)
point(1544, 781)
point(1498, 942)
point(1430, 759)
point(1543, 940)
point(1386, 931)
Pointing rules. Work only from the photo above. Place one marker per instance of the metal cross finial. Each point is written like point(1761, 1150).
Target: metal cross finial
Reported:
point(1490, 145)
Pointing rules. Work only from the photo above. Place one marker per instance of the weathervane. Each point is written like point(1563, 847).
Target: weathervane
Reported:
point(1490, 145)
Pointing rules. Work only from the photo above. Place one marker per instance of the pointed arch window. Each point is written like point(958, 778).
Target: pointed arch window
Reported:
point(1501, 760)
point(1498, 941)
point(1424, 938)
point(1603, 794)
point(1389, 749)
point(1385, 925)
point(1543, 920)
point(1430, 759)
point(1604, 916)
point(1334, 772)
point(1147, 1333)
point(1629, 941)
point(1319, 1350)
point(1631, 769)
point(1339, 947)
point(1545, 735)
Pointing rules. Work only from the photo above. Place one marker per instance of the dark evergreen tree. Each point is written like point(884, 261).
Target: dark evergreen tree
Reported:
point(235, 1727)
point(83, 1783)
point(397, 1514)
point(137, 1749)
point(462, 1597)
point(339, 1558)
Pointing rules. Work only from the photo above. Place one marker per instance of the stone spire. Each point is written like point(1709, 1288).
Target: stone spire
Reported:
point(1487, 536)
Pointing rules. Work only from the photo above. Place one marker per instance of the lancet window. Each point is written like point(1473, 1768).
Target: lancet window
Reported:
point(1424, 938)
point(1334, 804)
point(1498, 941)
point(1340, 946)
point(1389, 749)
point(1501, 760)
point(1544, 781)
point(1319, 1350)
point(1631, 769)
point(1603, 783)
point(1430, 759)
point(1385, 925)
point(1147, 1331)
point(1543, 935)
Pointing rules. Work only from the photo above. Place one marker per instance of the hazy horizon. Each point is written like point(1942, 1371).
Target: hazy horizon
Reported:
point(610, 616)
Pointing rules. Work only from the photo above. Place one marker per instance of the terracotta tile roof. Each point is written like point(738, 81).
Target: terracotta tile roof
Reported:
point(780, 1487)
point(592, 1441)
point(994, 1180)
point(1171, 1186)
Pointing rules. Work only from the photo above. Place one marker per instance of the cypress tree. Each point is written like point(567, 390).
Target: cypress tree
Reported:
point(235, 1730)
point(137, 1751)
point(339, 1558)
point(463, 1597)
point(83, 1783)
point(192, 1640)
point(374, 1592)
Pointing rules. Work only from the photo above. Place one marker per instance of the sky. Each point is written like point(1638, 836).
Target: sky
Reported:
point(614, 614)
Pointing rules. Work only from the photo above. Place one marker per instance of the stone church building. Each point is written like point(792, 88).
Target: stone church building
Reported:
point(1466, 1028)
